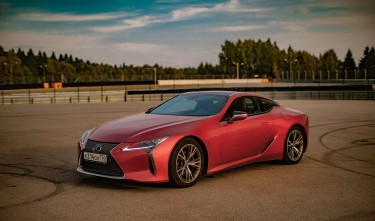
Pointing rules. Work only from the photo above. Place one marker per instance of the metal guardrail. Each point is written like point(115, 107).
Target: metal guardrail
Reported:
point(103, 96)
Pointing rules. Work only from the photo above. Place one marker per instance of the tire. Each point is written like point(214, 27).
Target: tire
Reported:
point(294, 146)
point(186, 163)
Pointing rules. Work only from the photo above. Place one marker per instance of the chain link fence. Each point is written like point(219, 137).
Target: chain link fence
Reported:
point(303, 90)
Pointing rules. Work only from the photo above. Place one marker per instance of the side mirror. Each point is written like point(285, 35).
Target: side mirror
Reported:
point(237, 116)
point(149, 110)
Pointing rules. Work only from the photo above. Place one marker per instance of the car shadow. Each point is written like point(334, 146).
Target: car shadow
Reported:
point(267, 165)
point(99, 182)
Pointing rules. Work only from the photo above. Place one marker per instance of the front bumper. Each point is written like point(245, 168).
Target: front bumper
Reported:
point(137, 165)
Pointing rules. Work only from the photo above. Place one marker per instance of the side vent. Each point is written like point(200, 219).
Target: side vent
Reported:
point(151, 164)
point(267, 145)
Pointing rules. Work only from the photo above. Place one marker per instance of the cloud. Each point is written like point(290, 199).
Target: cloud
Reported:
point(142, 48)
point(355, 4)
point(333, 24)
point(236, 7)
point(82, 46)
point(348, 21)
point(238, 28)
point(187, 12)
point(127, 24)
point(65, 17)
point(232, 6)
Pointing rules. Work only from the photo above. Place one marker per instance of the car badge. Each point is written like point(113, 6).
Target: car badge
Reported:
point(97, 148)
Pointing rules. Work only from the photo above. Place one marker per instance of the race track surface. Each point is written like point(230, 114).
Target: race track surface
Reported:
point(334, 181)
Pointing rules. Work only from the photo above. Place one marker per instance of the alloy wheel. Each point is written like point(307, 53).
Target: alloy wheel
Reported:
point(188, 163)
point(294, 145)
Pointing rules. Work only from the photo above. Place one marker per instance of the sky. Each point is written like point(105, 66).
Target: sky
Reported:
point(177, 33)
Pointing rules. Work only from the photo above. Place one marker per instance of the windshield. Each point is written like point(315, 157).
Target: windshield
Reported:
point(192, 105)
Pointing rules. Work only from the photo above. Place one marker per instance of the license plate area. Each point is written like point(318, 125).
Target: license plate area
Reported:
point(95, 157)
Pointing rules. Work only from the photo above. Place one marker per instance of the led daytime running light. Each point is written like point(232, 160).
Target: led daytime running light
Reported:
point(147, 145)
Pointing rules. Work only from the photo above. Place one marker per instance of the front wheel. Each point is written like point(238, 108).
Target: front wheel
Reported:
point(186, 163)
point(294, 146)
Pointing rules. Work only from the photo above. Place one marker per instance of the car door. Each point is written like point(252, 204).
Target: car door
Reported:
point(247, 137)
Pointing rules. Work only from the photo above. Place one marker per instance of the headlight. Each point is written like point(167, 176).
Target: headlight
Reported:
point(83, 139)
point(147, 145)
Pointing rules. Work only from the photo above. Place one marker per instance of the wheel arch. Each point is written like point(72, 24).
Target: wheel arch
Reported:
point(204, 149)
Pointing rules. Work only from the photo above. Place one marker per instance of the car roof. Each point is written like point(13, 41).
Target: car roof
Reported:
point(225, 93)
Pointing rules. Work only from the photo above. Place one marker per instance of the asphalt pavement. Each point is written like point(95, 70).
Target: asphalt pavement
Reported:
point(38, 180)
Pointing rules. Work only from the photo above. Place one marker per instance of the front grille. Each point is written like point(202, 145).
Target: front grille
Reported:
point(111, 168)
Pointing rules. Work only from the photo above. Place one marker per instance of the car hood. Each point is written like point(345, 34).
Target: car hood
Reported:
point(140, 127)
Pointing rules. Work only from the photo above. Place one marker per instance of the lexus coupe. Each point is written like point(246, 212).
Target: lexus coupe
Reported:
point(194, 134)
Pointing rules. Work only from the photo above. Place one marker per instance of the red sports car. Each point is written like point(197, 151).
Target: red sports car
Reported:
point(194, 134)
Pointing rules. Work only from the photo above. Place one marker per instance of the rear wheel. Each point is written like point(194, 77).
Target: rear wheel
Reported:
point(186, 163)
point(294, 146)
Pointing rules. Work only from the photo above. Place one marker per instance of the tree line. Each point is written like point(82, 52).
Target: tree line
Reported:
point(264, 58)
point(242, 59)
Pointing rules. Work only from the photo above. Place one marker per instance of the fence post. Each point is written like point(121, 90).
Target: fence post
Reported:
point(149, 92)
point(29, 93)
point(343, 87)
point(125, 93)
point(54, 94)
point(369, 97)
point(320, 72)
point(78, 92)
point(101, 89)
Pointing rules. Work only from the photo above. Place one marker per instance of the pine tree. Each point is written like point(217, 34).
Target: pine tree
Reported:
point(53, 56)
point(367, 62)
point(329, 63)
point(2, 52)
point(349, 64)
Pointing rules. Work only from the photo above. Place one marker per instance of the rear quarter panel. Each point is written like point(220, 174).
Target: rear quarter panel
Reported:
point(285, 118)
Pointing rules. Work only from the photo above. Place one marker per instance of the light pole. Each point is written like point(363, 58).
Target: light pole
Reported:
point(5, 78)
point(290, 66)
point(238, 69)
point(44, 72)
point(155, 76)
point(11, 72)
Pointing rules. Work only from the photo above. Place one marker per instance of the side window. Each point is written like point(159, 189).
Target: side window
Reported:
point(251, 106)
point(244, 104)
point(265, 104)
point(237, 105)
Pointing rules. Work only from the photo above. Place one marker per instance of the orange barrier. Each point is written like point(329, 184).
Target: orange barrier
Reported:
point(57, 85)
point(265, 80)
